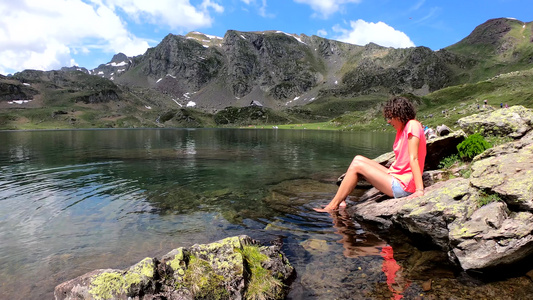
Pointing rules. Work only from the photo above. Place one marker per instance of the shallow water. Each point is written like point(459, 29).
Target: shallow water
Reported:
point(75, 201)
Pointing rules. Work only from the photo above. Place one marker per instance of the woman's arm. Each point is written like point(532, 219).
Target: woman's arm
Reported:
point(413, 143)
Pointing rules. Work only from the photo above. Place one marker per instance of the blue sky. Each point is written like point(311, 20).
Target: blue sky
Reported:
point(50, 34)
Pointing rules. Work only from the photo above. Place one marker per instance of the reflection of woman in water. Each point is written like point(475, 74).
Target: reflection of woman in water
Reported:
point(390, 267)
point(358, 244)
point(404, 177)
point(355, 243)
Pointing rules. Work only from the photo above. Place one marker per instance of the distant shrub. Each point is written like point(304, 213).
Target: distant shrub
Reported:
point(248, 115)
point(472, 146)
point(449, 161)
point(466, 173)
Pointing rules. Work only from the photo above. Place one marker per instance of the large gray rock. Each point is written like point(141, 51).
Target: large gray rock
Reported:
point(509, 175)
point(515, 122)
point(233, 268)
point(429, 216)
point(442, 147)
point(491, 237)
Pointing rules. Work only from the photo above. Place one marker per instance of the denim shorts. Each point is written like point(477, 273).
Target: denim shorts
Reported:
point(397, 189)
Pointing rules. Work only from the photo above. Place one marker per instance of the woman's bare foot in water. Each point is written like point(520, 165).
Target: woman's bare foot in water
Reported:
point(328, 207)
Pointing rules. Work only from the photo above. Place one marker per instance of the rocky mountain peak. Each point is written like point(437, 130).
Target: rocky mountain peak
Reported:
point(501, 43)
point(282, 70)
point(118, 65)
point(497, 37)
point(119, 58)
point(490, 32)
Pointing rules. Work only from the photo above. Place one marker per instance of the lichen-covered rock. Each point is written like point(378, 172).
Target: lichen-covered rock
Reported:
point(111, 284)
point(233, 268)
point(492, 236)
point(79, 288)
point(508, 175)
point(430, 215)
point(515, 121)
point(449, 216)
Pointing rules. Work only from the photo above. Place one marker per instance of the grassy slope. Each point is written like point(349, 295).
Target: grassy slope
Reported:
point(497, 56)
point(60, 115)
point(458, 101)
point(513, 89)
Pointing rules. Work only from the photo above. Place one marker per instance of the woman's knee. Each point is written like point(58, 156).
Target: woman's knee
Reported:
point(357, 163)
point(359, 159)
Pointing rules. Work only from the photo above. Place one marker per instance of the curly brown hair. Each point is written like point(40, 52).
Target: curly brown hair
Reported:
point(401, 108)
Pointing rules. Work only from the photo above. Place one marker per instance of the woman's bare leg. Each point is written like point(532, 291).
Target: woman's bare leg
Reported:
point(374, 173)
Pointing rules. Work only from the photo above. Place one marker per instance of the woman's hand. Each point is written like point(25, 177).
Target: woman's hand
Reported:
point(417, 193)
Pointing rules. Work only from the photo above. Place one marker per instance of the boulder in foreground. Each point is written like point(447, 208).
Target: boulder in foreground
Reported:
point(233, 268)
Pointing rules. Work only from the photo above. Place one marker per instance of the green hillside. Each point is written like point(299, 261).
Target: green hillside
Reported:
point(496, 47)
point(448, 105)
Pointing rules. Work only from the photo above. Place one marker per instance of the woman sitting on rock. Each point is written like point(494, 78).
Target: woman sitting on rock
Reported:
point(404, 177)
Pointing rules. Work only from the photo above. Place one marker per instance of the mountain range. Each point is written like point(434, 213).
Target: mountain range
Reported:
point(199, 80)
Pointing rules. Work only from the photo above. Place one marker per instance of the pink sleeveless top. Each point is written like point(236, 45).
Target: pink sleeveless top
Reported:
point(401, 168)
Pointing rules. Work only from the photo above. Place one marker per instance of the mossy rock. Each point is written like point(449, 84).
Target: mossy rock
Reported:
point(514, 121)
point(232, 268)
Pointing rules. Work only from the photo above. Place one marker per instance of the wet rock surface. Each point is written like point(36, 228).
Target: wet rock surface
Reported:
point(337, 257)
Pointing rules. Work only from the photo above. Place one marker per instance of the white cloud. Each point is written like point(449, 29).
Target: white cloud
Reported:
point(46, 35)
point(418, 5)
point(432, 12)
point(362, 33)
point(261, 8)
point(176, 14)
point(325, 8)
point(322, 32)
point(209, 4)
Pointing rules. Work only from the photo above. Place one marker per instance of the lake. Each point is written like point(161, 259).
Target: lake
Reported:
point(72, 201)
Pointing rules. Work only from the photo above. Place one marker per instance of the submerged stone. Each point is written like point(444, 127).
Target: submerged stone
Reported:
point(315, 245)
